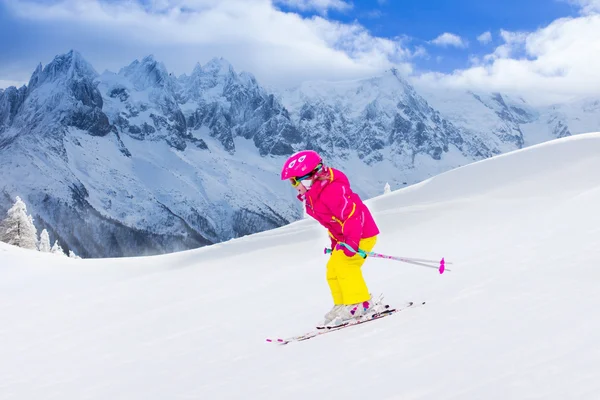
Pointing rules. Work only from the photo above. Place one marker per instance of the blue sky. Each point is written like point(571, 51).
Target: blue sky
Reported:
point(543, 47)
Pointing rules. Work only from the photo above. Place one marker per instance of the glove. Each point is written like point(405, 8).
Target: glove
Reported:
point(347, 252)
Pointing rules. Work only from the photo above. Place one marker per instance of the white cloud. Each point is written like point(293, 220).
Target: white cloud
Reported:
point(555, 63)
point(321, 6)
point(485, 37)
point(420, 51)
point(474, 59)
point(449, 39)
point(514, 44)
point(587, 6)
point(280, 48)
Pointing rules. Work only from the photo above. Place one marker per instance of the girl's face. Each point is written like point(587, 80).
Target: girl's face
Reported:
point(304, 186)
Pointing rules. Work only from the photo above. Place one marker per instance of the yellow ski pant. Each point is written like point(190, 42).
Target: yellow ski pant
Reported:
point(344, 275)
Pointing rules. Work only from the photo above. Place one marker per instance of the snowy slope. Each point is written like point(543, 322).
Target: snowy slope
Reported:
point(514, 319)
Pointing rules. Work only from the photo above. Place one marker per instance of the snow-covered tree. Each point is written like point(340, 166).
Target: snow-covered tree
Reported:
point(57, 249)
point(44, 245)
point(73, 255)
point(387, 189)
point(18, 228)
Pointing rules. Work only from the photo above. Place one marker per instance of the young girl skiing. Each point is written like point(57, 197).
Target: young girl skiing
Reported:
point(329, 200)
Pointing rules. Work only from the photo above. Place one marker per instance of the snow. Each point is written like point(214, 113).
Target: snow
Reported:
point(513, 319)
point(134, 189)
point(577, 115)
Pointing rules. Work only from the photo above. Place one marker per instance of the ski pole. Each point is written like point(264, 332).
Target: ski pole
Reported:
point(440, 265)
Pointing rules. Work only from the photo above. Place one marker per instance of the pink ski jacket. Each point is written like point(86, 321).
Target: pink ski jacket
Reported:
point(341, 211)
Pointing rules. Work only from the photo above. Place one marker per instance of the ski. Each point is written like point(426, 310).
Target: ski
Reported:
point(323, 331)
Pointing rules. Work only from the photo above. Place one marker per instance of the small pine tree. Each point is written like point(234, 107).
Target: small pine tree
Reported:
point(44, 245)
point(18, 228)
point(56, 249)
point(387, 189)
point(73, 255)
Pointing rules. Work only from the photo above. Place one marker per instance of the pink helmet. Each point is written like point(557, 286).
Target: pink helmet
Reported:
point(300, 164)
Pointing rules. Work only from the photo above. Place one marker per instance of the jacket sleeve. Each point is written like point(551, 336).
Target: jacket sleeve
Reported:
point(346, 212)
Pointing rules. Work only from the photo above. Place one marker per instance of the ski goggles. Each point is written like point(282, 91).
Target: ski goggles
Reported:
point(296, 181)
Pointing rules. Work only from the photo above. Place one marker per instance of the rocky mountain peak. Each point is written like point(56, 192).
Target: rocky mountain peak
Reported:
point(65, 67)
point(148, 73)
point(218, 67)
point(64, 93)
point(197, 69)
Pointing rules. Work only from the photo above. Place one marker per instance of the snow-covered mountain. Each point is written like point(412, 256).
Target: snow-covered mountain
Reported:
point(382, 118)
point(514, 319)
point(142, 162)
point(109, 166)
